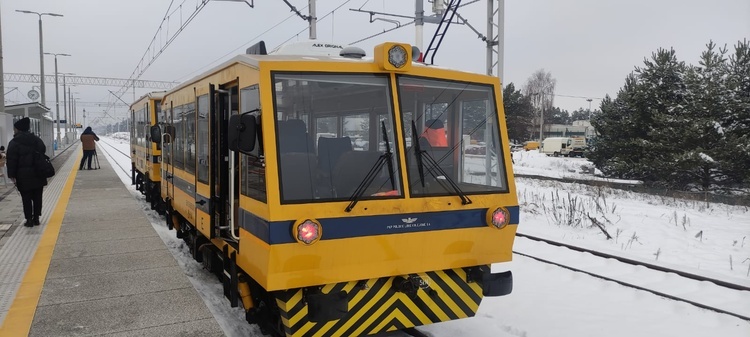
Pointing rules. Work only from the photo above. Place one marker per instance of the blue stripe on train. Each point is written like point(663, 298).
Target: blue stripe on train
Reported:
point(339, 228)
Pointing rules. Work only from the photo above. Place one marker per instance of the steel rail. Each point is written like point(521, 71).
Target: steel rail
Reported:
point(634, 262)
point(111, 156)
point(637, 263)
point(630, 285)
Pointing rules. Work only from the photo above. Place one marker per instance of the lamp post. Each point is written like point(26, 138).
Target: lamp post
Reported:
point(41, 50)
point(57, 98)
point(539, 97)
point(66, 115)
point(71, 108)
point(541, 119)
point(2, 74)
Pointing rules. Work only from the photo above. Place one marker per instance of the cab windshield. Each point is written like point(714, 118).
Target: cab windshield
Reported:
point(330, 136)
point(456, 127)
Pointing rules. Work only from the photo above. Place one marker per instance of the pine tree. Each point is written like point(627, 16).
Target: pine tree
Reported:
point(617, 149)
point(641, 129)
point(685, 127)
point(736, 124)
point(702, 162)
point(582, 114)
point(519, 113)
point(555, 115)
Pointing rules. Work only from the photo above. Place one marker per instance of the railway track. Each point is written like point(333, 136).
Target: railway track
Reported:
point(109, 154)
point(701, 291)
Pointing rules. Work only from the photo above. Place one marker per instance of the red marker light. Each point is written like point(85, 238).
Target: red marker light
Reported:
point(308, 232)
point(499, 218)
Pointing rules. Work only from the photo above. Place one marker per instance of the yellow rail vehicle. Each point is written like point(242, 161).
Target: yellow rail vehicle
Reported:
point(145, 154)
point(338, 195)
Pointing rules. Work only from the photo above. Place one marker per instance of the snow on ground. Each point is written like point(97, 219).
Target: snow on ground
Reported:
point(539, 164)
point(710, 239)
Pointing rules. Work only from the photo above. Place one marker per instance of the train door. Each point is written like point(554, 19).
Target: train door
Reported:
point(133, 141)
point(223, 100)
point(168, 155)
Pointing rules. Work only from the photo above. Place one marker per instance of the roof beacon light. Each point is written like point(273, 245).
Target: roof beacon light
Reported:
point(397, 56)
point(498, 218)
point(391, 56)
point(307, 232)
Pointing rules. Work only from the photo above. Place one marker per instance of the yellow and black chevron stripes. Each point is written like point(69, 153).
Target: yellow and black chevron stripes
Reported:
point(376, 306)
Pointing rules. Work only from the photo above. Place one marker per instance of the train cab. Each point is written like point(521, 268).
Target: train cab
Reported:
point(336, 194)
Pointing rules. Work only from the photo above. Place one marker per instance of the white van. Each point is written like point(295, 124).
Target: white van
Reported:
point(577, 147)
point(556, 146)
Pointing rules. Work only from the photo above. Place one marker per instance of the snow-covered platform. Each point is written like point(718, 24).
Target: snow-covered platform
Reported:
point(95, 266)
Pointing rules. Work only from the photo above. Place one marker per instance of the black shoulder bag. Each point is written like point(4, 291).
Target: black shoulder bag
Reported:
point(43, 166)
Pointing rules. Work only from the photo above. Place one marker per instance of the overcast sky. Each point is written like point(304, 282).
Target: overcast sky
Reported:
point(589, 46)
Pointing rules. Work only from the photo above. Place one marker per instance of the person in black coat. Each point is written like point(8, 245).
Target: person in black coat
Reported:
point(21, 169)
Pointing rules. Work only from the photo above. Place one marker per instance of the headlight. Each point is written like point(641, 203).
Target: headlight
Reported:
point(307, 231)
point(498, 218)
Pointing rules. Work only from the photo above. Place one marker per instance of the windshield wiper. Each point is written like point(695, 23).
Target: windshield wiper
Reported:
point(385, 158)
point(423, 156)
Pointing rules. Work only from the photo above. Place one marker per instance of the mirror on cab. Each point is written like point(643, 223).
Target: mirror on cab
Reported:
point(155, 134)
point(241, 133)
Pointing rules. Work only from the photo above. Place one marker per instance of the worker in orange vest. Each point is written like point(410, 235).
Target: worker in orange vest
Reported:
point(435, 133)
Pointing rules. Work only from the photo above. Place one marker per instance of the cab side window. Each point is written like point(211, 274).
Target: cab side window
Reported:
point(253, 182)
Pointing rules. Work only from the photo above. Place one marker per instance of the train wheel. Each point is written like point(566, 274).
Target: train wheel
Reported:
point(168, 214)
point(212, 261)
point(139, 182)
point(266, 316)
point(194, 241)
point(147, 190)
point(155, 196)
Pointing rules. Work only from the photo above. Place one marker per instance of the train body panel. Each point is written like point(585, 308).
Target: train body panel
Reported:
point(342, 196)
point(290, 265)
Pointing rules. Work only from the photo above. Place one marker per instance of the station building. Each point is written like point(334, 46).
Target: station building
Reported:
point(42, 124)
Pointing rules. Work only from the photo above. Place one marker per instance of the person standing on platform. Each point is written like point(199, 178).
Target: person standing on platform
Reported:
point(89, 139)
point(20, 163)
point(2, 165)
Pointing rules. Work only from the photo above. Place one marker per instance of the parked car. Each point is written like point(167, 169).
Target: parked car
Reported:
point(530, 145)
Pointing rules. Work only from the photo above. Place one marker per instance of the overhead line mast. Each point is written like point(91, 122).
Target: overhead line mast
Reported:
point(311, 18)
point(494, 19)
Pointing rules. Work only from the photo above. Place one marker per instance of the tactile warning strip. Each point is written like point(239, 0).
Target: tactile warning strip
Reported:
point(18, 251)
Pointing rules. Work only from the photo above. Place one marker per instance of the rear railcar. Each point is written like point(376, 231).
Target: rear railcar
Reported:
point(145, 153)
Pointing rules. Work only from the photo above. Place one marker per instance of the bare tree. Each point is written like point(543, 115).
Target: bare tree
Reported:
point(540, 88)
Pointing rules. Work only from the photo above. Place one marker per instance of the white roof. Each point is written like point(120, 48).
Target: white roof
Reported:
point(298, 51)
